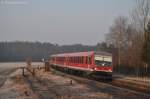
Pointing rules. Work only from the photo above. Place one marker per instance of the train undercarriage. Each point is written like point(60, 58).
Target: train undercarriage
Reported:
point(98, 75)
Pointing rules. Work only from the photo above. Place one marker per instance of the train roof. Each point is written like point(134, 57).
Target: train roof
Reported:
point(89, 53)
point(102, 53)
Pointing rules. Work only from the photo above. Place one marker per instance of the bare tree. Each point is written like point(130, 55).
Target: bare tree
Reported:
point(140, 18)
point(117, 31)
point(116, 36)
point(129, 36)
point(140, 15)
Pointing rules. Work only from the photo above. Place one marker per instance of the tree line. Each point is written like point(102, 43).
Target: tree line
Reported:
point(21, 51)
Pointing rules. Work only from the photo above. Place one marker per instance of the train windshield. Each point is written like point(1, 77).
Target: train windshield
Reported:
point(103, 60)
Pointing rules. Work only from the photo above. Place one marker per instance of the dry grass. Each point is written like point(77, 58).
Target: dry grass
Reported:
point(16, 87)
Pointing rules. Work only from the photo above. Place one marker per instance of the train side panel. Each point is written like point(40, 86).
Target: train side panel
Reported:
point(81, 63)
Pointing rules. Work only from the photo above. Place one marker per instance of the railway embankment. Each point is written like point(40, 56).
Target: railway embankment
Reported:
point(53, 85)
point(56, 84)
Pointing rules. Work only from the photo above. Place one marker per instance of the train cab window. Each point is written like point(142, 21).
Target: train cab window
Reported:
point(103, 61)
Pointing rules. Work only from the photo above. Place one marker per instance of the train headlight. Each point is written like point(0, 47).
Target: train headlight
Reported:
point(95, 68)
point(109, 70)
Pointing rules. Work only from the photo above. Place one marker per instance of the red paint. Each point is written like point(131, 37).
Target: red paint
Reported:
point(79, 60)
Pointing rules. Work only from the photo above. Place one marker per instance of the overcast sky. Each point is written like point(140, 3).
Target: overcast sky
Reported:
point(60, 21)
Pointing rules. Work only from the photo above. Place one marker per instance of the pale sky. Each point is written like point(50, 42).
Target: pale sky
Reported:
point(60, 21)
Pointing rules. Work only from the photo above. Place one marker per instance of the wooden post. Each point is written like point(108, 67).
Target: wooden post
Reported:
point(23, 70)
point(47, 66)
point(71, 82)
point(33, 72)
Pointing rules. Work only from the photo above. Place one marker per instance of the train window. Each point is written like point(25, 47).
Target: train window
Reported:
point(75, 59)
point(79, 59)
point(82, 59)
point(89, 60)
point(69, 59)
point(72, 59)
point(86, 60)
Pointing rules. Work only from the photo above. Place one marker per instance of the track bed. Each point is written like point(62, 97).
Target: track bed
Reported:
point(56, 84)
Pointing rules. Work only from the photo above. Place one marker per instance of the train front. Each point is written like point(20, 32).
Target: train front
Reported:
point(103, 64)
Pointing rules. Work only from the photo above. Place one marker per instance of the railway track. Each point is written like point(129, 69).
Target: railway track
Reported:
point(112, 85)
point(45, 88)
point(120, 82)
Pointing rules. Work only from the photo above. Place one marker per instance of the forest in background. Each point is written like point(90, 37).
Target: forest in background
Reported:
point(21, 51)
point(130, 35)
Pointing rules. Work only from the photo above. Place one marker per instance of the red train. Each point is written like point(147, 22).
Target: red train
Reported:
point(90, 63)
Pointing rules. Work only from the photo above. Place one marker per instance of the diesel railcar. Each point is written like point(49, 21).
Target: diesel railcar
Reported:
point(95, 63)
